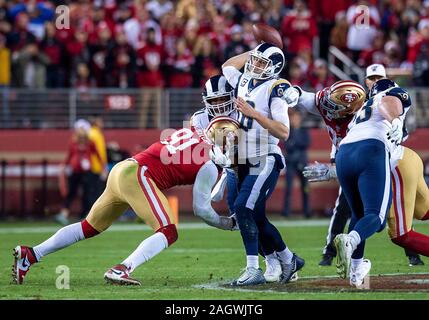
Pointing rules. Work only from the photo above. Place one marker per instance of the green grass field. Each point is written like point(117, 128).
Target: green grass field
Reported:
point(190, 269)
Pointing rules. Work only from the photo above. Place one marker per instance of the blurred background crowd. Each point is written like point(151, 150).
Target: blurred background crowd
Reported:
point(162, 43)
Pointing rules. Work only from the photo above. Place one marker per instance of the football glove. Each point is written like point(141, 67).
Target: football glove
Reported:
point(320, 172)
point(395, 134)
point(291, 96)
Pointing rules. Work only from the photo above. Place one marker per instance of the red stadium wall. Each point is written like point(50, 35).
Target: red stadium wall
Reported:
point(36, 145)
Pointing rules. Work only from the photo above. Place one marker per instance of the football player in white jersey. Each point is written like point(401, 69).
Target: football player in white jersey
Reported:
point(263, 115)
point(218, 97)
point(364, 172)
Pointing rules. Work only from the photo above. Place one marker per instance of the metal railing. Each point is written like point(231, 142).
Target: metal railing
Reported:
point(130, 108)
point(349, 67)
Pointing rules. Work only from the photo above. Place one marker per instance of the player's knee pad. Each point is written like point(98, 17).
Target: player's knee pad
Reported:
point(88, 230)
point(170, 232)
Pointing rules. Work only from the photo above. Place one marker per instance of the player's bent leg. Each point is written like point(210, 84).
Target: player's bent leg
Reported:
point(414, 241)
point(150, 204)
point(150, 247)
point(25, 257)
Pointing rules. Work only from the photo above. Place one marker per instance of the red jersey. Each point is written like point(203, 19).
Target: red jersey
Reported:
point(337, 128)
point(175, 160)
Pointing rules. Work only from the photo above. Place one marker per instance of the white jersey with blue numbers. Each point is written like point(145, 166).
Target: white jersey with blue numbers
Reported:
point(266, 98)
point(369, 123)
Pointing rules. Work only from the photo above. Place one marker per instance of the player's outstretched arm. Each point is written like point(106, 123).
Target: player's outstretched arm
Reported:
point(237, 62)
point(279, 129)
point(204, 182)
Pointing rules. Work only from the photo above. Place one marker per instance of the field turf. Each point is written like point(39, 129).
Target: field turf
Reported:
point(192, 268)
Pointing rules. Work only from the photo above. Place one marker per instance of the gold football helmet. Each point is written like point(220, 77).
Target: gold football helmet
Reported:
point(221, 128)
point(343, 99)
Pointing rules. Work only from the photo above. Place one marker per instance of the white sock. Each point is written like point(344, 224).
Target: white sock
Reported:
point(285, 256)
point(253, 262)
point(146, 250)
point(62, 238)
point(356, 262)
point(355, 239)
point(271, 257)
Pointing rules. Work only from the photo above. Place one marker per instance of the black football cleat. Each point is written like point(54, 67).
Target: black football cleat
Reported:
point(326, 260)
point(415, 260)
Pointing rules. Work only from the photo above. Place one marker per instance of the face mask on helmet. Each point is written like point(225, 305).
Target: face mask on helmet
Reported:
point(219, 104)
point(332, 110)
point(342, 99)
point(260, 67)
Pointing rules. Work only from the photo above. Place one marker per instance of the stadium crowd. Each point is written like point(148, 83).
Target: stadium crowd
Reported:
point(162, 43)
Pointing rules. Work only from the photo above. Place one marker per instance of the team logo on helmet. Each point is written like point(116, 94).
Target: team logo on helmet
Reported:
point(342, 99)
point(348, 97)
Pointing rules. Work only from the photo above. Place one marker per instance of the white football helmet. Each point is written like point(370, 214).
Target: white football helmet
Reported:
point(266, 61)
point(218, 96)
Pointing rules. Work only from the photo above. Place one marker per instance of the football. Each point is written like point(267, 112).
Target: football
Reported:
point(265, 33)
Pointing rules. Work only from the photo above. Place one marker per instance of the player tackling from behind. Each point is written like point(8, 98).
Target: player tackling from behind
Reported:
point(139, 182)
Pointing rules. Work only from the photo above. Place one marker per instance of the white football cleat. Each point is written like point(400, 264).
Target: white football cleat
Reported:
point(357, 276)
point(120, 274)
point(273, 270)
point(344, 254)
point(250, 277)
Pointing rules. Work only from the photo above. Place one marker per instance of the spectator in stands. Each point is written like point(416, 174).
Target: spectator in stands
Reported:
point(186, 9)
point(137, 28)
point(319, 76)
point(296, 149)
point(237, 45)
point(82, 80)
point(38, 13)
point(375, 54)
point(180, 65)
point(158, 8)
point(29, 67)
point(98, 173)
point(325, 13)
point(54, 50)
point(76, 170)
point(340, 31)
point(149, 63)
point(78, 51)
point(298, 28)
point(297, 75)
point(206, 61)
point(362, 28)
point(20, 36)
point(99, 51)
point(419, 55)
point(121, 67)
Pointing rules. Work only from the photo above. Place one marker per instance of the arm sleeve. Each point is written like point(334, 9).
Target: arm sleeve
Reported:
point(232, 75)
point(279, 111)
point(204, 182)
point(307, 101)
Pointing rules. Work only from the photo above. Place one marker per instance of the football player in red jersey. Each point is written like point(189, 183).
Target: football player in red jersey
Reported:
point(138, 182)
